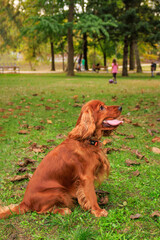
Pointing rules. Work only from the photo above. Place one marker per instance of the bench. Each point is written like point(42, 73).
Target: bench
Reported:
point(10, 68)
point(98, 68)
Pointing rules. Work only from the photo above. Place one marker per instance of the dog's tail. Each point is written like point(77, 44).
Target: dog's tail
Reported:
point(6, 211)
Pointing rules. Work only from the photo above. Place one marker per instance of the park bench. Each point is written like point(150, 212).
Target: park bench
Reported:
point(98, 68)
point(12, 68)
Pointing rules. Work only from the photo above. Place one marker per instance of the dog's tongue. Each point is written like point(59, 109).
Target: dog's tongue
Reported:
point(113, 123)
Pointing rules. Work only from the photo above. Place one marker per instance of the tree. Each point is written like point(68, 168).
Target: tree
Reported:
point(94, 27)
point(70, 39)
point(44, 27)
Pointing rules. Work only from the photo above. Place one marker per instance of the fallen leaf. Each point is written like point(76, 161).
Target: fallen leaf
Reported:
point(48, 108)
point(99, 192)
point(136, 216)
point(136, 124)
point(4, 116)
point(156, 139)
point(155, 214)
point(22, 169)
point(106, 141)
point(114, 98)
point(150, 132)
point(18, 107)
point(103, 200)
point(35, 94)
point(39, 127)
point(77, 105)
point(2, 109)
point(125, 120)
point(59, 136)
point(108, 150)
point(130, 137)
point(33, 169)
point(21, 177)
point(131, 162)
point(10, 103)
point(156, 150)
point(136, 173)
point(138, 154)
point(38, 148)
point(26, 162)
point(49, 121)
point(23, 132)
point(75, 97)
point(50, 140)
point(25, 126)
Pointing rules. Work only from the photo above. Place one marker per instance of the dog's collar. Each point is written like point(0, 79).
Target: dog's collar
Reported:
point(93, 142)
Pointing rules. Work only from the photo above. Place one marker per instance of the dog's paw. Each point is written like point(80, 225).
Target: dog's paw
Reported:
point(99, 213)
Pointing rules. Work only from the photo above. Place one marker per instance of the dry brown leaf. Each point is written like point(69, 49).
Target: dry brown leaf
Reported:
point(59, 136)
point(23, 132)
point(136, 124)
point(103, 200)
point(4, 116)
point(131, 162)
point(49, 121)
point(39, 127)
point(156, 139)
point(150, 132)
point(155, 214)
point(26, 162)
point(22, 169)
point(21, 177)
point(156, 150)
point(136, 216)
point(101, 192)
point(108, 150)
point(48, 108)
point(106, 141)
point(77, 105)
point(136, 173)
point(75, 97)
point(125, 120)
point(130, 137)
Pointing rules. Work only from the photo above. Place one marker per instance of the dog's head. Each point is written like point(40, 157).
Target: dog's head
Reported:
point(95, 120)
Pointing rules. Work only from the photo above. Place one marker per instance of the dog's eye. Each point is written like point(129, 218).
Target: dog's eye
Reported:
point(101, 108)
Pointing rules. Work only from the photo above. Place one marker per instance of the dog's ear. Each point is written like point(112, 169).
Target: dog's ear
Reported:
point(85, 126)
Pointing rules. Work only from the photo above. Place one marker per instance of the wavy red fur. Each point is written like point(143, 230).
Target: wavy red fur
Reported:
point(69, 171)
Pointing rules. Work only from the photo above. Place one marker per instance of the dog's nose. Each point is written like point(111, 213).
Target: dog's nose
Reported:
point(120, 109)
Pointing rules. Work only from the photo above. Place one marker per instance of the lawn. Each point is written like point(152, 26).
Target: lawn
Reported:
point(38, 110)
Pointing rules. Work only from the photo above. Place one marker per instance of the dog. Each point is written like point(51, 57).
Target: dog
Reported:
point(69, 171)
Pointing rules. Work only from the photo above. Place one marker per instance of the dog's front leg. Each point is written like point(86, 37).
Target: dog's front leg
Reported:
point(87, 197)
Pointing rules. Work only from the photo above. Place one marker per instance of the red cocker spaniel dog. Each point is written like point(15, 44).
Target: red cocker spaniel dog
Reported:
point(69, 171)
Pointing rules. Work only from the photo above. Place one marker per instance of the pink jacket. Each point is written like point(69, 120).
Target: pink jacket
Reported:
point(114, 68)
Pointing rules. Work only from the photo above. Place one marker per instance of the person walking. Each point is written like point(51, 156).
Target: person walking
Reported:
point(153, 68)
point(83, 64)
point(114, 70)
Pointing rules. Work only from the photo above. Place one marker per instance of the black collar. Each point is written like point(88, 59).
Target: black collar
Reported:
point(93, 142)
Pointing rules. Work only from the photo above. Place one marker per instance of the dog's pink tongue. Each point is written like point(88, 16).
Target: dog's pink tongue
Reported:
point(113, 123)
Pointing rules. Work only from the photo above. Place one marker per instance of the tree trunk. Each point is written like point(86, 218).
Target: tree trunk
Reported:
point(70, 40)
point(125, 57)
point(52, 57)
point(138, 61)
point(85, 50)
point(104, 59)
point(63, 67)
point(131, 56)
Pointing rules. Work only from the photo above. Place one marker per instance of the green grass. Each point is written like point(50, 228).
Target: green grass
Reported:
point(128, 194)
